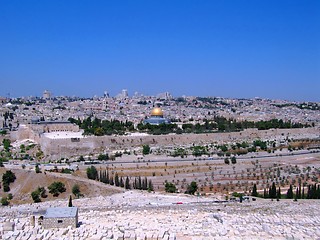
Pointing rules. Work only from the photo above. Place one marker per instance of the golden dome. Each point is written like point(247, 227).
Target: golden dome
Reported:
point(157, 112)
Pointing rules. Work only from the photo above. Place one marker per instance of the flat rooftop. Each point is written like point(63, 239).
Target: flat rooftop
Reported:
point(63, 134)
point(61, 212)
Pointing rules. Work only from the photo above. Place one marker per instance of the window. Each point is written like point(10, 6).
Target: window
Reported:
point(60, 221)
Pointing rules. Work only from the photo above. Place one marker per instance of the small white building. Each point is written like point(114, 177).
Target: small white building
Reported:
point(56, 217)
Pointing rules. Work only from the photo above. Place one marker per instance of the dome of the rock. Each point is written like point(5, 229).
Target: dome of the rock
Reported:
point(157, 112)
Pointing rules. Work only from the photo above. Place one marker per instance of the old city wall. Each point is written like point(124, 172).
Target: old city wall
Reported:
point(24, 132)
point(93, 145)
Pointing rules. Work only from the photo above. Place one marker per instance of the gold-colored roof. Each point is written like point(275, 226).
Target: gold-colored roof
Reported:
point(157, 112)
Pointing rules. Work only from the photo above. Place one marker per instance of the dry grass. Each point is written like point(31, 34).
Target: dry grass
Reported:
point(28, 181)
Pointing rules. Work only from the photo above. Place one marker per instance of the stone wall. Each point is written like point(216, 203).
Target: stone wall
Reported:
point(24, 132)
point(60, 222)
point(93, 144)
point(54, 127)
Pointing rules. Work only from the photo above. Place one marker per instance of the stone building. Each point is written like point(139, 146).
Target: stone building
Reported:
point(46, 95)
point(56, 217)
point(54, 126)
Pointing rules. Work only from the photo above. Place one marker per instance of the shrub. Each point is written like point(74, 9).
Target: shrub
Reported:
point(170, 187)
point(92, 173)
point(76, 190)
point(192, 188)
point(4, 201)
point(56, 188)
point(10, 196)
point(6, 187)
point(36, 196)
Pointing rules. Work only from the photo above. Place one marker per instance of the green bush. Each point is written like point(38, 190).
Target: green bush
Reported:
point(192, 188)
point(76, 190)
point(56, 188)
point(4, 201)
point(92, 173)
point(36, 196)
point(170, 187)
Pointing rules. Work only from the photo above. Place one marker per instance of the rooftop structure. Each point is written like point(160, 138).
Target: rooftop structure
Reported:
point(156, 117)
point(46, 94)
point(157, 112)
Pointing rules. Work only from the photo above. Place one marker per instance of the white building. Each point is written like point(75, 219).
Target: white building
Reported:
point(46, 95)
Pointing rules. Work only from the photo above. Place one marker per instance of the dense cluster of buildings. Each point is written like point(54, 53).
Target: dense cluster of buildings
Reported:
point(138, 107)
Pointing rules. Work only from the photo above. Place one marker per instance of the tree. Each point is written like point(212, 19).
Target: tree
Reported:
point(145, 184)
point(170, 187)
point(313, 192)
point(5, 201)
point(278, 194)
point(290, 193)
point(265, 194)
point(103, 157)
point(150, 186)
point(121, 182)
point(254, 191)
point(192, 188)
point(103, 176)
point(7, 178)
point(92, 173)
point(6, 187)
point(296, 196)
point(299, 191)
point(111, 181)
point(36, 196)
point(233, 160)
point(37, 169)
point(116, 180)
point(10, 196)
point(127, 184)
point(42, 192)
point(6, 144)
point(76, 190)
point(138, 183)
point(198, 151)
point(70, 201)
point(56, 188)
point(226, 161)
point(273, 191)
point(107, 180)
point(145, 149)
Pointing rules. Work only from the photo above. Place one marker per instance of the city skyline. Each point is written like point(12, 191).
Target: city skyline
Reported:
point(227, 49)
point(47, 94)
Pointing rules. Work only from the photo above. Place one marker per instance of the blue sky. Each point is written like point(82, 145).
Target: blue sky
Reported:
point(240, 49)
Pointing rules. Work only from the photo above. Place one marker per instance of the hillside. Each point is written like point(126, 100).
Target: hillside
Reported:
point(28, 181)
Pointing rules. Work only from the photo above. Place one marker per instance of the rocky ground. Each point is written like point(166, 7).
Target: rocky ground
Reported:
point(142, 215)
